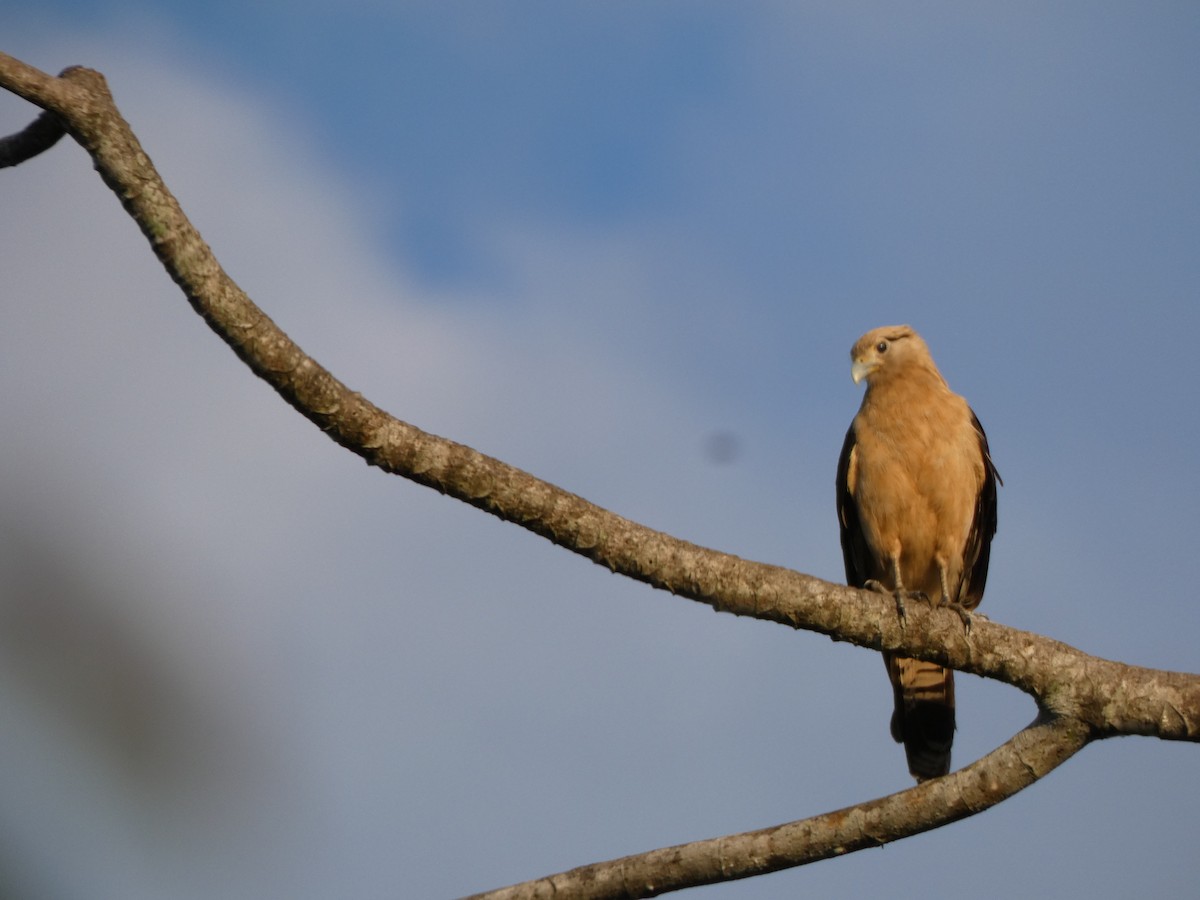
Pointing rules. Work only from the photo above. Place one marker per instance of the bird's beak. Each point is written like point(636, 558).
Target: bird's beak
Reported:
point(860, 370)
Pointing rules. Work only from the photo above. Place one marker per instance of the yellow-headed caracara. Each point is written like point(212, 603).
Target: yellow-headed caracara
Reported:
point(916, 497)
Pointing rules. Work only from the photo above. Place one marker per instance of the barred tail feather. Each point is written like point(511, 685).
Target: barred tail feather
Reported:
point(923, 719)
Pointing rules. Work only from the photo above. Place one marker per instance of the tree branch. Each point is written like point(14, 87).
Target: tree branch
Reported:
point(39, 136)
point(1016, 764)
point(1081, 696)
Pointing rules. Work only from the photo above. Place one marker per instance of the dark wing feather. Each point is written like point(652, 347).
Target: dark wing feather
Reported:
point(855, 553)
point(978, 550)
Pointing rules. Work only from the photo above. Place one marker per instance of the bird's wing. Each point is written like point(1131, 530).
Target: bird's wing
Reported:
point(855, 553)
point(977, 552)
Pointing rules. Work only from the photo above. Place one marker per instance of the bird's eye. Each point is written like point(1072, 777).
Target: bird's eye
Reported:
point(881, 347)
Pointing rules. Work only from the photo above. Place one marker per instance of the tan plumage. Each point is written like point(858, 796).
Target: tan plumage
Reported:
point(917, 506)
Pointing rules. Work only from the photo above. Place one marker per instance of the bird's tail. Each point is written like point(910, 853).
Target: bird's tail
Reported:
point(924, 716)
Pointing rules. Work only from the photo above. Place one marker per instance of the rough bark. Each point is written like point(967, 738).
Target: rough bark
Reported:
point(1029, 755)
point(1081, 697)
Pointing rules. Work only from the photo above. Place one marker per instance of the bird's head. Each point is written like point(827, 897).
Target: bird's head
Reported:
point(886, 349)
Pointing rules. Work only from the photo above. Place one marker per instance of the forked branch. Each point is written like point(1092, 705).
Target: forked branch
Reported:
point(1080, 697)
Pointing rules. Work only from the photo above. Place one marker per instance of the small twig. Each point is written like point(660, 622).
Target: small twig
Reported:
point(38, 137)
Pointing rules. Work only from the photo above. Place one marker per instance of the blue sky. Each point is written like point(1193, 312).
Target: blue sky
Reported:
point(585, 238)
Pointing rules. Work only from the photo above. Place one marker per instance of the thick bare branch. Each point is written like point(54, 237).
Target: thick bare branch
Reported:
point(1081, 697)
point(1028, 756)
point(1066, 680)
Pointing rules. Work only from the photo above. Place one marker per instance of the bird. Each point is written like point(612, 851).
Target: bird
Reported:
point(916, 502)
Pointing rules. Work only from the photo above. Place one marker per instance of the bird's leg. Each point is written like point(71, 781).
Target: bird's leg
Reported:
point(878, 586)
point(898, 592)
point(963, 612)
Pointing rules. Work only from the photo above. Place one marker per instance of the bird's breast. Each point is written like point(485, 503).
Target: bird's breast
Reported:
point(915, 492)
